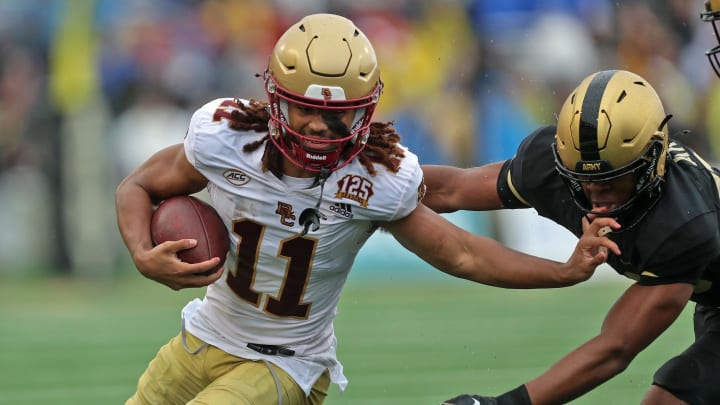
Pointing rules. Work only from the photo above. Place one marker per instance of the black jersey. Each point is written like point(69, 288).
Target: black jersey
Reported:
point(677, 241)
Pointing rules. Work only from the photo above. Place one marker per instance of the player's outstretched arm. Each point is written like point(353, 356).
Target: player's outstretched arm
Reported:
point(638, 317)
point(165, 174)
point(447, 188)
point(484, 260)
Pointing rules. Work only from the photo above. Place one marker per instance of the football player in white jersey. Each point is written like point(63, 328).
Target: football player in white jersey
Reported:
point(301, 182)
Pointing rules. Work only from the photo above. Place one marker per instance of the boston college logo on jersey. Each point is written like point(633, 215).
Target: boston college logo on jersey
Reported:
point(355, 188)
point(287, 215)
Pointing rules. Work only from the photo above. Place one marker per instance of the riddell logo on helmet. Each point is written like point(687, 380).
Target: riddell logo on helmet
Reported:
point(327, 94)
point(315, 157)
point(591, 167)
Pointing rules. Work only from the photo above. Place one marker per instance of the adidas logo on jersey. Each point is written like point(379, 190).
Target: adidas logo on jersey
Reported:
point(342, 210)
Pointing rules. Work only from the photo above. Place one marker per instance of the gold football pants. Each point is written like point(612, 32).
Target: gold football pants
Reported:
point(211, 377)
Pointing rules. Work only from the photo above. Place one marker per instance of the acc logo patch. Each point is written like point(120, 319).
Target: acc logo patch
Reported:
point(236, 177)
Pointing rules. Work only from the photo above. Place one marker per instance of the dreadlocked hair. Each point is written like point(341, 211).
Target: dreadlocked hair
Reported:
point(382, 145)
point(382, 148)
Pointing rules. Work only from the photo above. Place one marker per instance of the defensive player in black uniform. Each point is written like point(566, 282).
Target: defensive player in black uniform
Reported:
point(610, 155)
point(712, 15)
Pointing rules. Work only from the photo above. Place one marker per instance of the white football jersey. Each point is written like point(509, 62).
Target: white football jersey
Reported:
point(281, 288)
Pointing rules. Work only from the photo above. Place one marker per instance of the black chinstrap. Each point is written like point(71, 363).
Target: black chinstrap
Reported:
point(310, 217)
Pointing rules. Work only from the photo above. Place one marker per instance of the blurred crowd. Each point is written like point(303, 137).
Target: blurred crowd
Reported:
point(90, 88)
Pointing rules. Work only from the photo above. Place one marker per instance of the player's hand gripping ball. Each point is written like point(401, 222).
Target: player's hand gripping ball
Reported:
point(186, 217)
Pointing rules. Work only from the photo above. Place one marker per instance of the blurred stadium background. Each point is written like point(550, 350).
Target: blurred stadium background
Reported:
point(90, 88)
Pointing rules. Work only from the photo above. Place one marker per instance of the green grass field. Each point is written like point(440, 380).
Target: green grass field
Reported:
point(74, 342)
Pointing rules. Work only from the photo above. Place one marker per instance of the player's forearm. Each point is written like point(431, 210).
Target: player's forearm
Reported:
point(438, 192)
point(134, 210)
point(511, 268)
point(578, 373)
point(450, 188)
point(494, 264)
point(570, 378)
point(482, 259)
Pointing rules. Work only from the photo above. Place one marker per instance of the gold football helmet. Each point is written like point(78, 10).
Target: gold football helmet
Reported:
point(611, 125)
point(712, 14)
point(324, 61)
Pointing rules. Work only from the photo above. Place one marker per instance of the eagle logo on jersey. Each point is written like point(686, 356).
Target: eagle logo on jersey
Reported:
point(236, 177)
point(355, 188)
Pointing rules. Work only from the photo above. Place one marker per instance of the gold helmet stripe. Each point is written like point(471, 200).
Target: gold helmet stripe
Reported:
point(589, 148)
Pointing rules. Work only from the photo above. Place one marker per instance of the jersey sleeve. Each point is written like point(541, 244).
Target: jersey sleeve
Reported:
point(528, 171)
point(388, 195)
point(207, 144)
point(412, 193)
point(509, 195)
point(405, 188)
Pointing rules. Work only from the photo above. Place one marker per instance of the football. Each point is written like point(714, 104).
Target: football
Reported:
point(187, 217)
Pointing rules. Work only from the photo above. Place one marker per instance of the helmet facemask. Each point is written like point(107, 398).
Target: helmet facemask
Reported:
point(612, 125)
point(712, 15)
point(648, 185)
point(348, 142)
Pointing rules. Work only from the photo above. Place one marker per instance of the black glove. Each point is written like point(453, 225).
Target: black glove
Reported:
point(518, 396)
point(466, 399)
